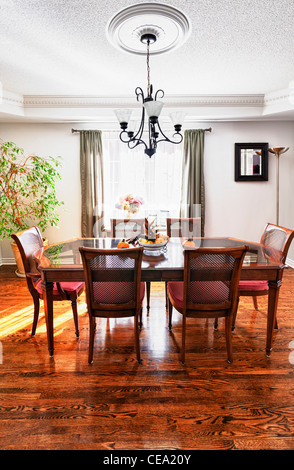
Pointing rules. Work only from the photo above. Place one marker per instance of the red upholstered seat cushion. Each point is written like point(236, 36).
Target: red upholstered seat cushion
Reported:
point(176, 289)
point(69, 287)
point(72, 287)
point(210, 292)
point(253, 285)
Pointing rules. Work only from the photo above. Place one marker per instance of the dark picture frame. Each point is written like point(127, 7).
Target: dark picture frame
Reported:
point(251, 161)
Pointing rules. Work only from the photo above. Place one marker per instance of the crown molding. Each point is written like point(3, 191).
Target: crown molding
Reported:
point(62, 101)
point(73, 108)
point(11, 104)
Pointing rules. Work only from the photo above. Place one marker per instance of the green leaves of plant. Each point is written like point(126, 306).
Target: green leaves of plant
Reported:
point(27, 190)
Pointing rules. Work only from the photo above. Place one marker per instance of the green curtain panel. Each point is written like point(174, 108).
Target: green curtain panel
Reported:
point(91, 169)
point(193, 190)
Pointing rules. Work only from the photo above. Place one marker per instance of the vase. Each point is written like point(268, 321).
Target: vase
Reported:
point(132, 210)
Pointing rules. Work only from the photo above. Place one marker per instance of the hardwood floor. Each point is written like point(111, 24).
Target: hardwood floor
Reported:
point(66, 404)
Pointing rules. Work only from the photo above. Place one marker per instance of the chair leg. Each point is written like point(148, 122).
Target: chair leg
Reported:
point(92, 328)
point(74, 306)
point(140, 319)
point(234, 315)
point(255, 303)
point(228, 328)
point(148, 295)
point(170, 313)
point(183, 340)
point(215, 325)
point(166, 297)
point(136, 327)
point(36, 314)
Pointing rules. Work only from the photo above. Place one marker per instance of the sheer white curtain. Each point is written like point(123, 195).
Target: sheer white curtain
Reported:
point(157, 179)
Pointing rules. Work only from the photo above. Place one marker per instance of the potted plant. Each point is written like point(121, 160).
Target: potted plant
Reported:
point(27, 192)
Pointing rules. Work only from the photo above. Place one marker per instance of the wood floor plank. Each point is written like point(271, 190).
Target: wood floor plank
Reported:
point(114, 404)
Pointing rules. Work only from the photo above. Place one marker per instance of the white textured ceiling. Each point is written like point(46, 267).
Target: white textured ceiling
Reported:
point(59, 47)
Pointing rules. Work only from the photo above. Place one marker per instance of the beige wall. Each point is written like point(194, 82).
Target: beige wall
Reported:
point(232, 209)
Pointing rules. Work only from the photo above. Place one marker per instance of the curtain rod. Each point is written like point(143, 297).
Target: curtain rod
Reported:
point(80, 130)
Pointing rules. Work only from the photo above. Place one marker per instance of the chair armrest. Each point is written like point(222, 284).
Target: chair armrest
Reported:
point(33, 275)
point(61, 292)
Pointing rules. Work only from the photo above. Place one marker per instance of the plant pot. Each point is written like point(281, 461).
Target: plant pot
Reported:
point(20, 271)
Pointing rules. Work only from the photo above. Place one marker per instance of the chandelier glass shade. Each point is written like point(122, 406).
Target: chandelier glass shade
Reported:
point(151, 109)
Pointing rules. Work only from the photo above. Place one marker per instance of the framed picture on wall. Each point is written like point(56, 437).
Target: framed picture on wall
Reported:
point(251, 161)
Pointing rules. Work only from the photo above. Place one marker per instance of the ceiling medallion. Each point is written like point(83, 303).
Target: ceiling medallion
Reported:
point(170, 26)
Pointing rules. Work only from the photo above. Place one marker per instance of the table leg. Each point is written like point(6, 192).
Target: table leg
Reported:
point(148, 295)
point(273, 297)
point(48, 307)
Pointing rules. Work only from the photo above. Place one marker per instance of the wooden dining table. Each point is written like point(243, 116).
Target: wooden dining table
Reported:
point(61, 262)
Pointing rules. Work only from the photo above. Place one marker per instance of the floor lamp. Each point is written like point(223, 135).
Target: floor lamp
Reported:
point(277, 151)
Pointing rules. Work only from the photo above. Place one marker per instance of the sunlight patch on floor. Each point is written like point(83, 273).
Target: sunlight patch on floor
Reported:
point(23, 319)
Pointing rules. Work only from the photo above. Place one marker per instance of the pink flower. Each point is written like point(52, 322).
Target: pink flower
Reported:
point(126, 201)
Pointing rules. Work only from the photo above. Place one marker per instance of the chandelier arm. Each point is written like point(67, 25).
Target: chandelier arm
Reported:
point(131, 140)
point(159, 91)
point(136, 143)
point(167, 139)
point(139, 92)
point(121, 137)
point(141, 127)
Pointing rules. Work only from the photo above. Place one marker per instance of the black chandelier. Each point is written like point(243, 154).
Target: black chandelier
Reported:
point(153, 108)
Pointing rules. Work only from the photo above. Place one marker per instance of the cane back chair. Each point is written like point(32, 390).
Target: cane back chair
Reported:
point(126, 228)
point(28, 242)
point(113, 287)
point(129, 228)
point(276, 241)
point(209, 289)
point(183, 227)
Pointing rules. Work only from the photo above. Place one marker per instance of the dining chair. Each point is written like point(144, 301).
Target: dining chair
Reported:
point(209, 288)
point(183, 227)
point(28, 242)
point(113, 288)
point(129, 228)
point(126, 228)
point(276, 241)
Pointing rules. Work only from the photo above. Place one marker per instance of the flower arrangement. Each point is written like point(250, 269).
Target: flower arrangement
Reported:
point(130, 204)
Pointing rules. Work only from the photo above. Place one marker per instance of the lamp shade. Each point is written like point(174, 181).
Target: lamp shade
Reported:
point(177, 118)
point(153, 108)
point(123, 115)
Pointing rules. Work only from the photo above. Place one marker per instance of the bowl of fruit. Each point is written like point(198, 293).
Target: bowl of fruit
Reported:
point(156, 244)
point(151, 240)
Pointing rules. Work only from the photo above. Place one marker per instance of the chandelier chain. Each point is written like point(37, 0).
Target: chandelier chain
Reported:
point(148, 67)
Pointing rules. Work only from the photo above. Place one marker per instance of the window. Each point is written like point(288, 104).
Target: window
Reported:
point(157, 179)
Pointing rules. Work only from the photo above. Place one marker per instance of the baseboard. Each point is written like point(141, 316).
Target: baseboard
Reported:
point(4, 261)
point(290, 263)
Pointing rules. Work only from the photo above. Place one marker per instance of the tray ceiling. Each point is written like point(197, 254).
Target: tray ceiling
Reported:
point(58, 49)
